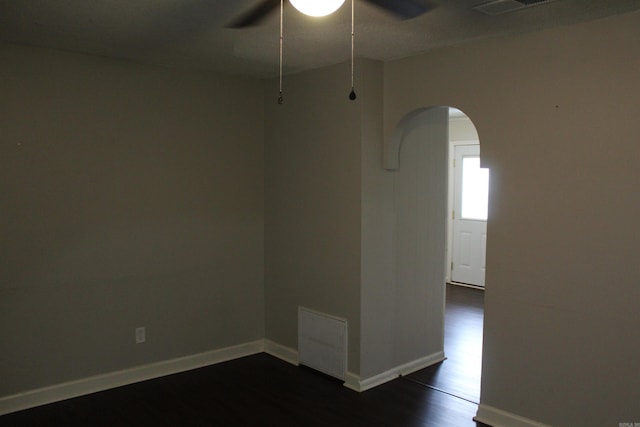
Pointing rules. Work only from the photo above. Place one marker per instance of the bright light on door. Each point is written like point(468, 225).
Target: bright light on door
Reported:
point(475, 189)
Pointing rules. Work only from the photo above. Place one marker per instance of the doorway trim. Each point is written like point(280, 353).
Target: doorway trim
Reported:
point(450, 208)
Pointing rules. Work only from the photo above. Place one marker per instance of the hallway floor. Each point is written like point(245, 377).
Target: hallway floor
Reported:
point(459, 374)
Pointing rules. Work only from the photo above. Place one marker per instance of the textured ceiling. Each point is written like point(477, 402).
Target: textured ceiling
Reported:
point(192, 33)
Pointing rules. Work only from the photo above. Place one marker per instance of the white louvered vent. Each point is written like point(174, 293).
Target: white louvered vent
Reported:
point(322, 342)
point(498, 7)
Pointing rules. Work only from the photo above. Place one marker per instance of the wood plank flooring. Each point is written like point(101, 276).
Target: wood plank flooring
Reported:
point(459, 374)
point(261, 390)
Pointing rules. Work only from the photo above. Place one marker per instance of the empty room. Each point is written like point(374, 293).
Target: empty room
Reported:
point(234, 213)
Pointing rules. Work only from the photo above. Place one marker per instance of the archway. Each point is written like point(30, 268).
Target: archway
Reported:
point(418, 152)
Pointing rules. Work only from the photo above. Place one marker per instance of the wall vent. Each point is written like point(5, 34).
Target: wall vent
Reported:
point(322, 342)
point(498, 7)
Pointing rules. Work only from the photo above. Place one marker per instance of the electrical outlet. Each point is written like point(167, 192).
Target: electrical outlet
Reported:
point(140, 335)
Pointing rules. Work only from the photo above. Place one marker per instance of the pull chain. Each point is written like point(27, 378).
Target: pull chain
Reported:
point(352, 95)
point(280, 98)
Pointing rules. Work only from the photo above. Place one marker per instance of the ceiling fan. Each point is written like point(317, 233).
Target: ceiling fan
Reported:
point(403, 9)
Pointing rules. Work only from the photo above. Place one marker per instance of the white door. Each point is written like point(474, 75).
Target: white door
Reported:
point(471, 193)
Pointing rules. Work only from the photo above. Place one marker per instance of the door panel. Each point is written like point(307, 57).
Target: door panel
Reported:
point(471, 183)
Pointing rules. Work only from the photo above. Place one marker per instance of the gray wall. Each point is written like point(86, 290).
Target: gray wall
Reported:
point(343, 235)
point(556, 113)
point(312, 211)
point(420, 207)
point(404, 244)
point(130, 196)
point(377, 289)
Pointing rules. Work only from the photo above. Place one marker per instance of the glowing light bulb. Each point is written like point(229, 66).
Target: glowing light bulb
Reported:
point(317, 7)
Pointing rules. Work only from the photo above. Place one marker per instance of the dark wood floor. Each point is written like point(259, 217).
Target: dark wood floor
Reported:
point(261, 390)
point(459, 375)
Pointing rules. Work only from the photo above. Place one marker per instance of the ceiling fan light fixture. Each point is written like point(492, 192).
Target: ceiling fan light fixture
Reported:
point(317, 7)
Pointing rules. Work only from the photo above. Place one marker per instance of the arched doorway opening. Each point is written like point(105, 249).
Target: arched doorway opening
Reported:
point(421, 151)
point(468, 204)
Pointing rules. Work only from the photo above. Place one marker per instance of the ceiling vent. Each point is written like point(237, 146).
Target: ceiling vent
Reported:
point(498, 7)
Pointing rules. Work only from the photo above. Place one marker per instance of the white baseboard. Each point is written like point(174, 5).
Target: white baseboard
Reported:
point(58, 392)
point(498, 418)
point(84, 386)
point(287, 354)
point(421, 363)
point(353, 381)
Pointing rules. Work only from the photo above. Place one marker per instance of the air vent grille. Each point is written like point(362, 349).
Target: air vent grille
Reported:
point(498, 7)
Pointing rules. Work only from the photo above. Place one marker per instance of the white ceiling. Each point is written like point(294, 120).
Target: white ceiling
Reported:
point(192, 33)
